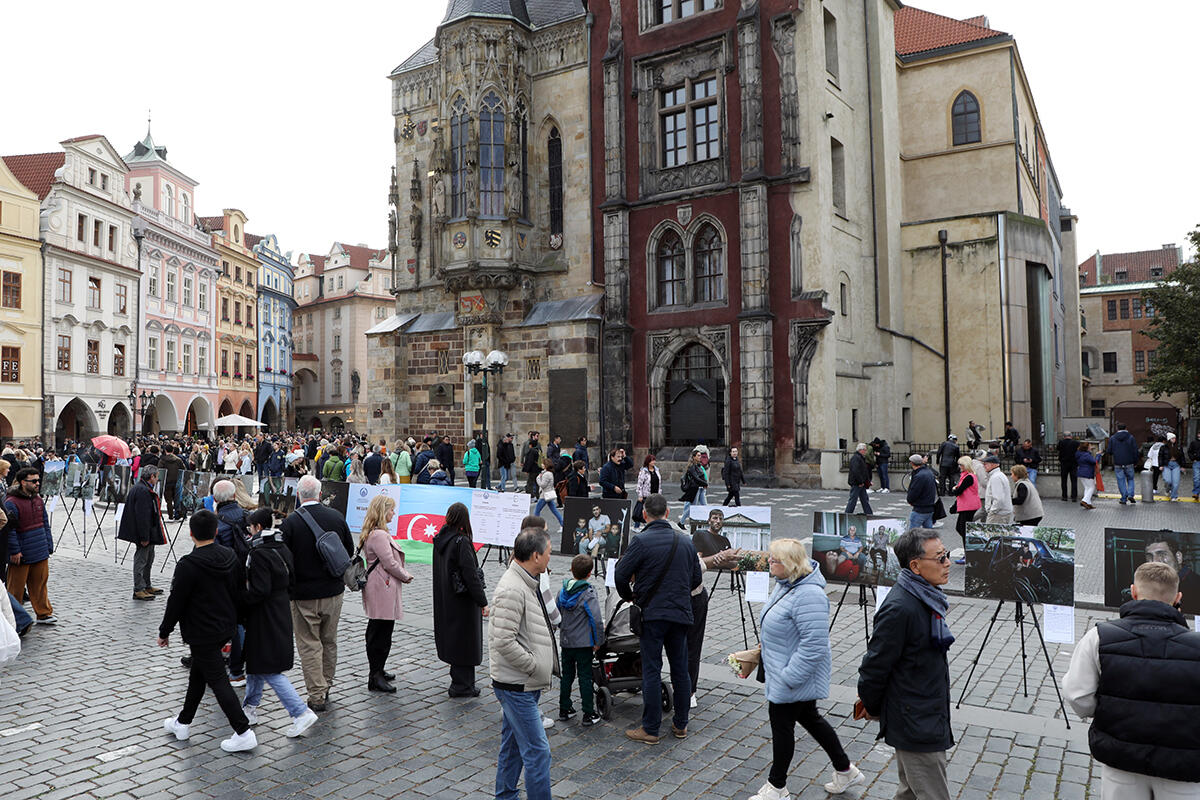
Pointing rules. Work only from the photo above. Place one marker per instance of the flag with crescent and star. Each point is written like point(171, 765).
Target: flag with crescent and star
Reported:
point(420, 514)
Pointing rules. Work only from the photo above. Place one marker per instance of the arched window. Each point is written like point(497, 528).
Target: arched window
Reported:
point(695, 407)
point(458, 159)
point(672, 271)
point(170, 201)
point(710, 266)
point(554, 160)
point(187, 209)
point(491, 157)
point(965, 118)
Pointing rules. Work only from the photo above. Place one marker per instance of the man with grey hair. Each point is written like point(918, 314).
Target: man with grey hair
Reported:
point(523, 657)
point(316, 594)
point(860, 479)
point(141, 525)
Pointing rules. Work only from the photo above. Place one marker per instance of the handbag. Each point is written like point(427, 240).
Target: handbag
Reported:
point(954, 506)
point(639, 512)
point(459, 585)
point(635, 608)
point(939, 510)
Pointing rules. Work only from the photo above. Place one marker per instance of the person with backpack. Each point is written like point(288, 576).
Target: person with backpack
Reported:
point(233, 533)
point(268, 624)
point(420, 470)
point(312, 533)
point(582, 634)
point(690, 484)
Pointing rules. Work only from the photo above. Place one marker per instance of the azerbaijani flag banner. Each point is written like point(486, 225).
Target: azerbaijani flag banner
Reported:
point(420, 514)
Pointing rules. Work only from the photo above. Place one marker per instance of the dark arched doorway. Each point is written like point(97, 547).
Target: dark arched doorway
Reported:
point(75, 422)
point(6, 430)
point(336, 425)
point(270, 416)
point(694, 412)
point(119, 421)
point(314, 424)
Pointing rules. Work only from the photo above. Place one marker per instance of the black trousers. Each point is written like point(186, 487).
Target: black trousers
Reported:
point(784, 717)
point(462, 678)
point(171, 492)
point(208, 669)
point(379, 642)
point(695, 637)
point(961, 525)
point(1068, 476)
point(733, 494)
point(949, 477)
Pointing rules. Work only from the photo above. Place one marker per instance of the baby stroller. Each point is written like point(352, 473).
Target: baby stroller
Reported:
point(617, 665)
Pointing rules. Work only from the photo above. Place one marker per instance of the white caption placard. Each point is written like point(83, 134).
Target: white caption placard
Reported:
point(758, 587)
point(1059, 624)
point(880, 593)
point(87, 507)
point(51, 504)
point(610, 574)
point(120, 513)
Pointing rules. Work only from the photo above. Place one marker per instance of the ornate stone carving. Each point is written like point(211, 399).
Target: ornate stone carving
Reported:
point(614, 129)
point(615, 36)
point(783, 42)
point(474, 277)
point(750, 80)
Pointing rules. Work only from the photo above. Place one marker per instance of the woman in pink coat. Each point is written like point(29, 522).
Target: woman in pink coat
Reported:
point(381, 597)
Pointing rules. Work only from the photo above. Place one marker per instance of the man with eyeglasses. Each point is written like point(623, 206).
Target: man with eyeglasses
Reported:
point(904, 679)
point(29, 544)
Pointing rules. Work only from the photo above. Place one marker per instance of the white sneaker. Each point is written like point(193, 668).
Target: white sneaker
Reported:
point(769, 792)
point(173, 725)
point(547, 723)
point(240, 742)
point(251, 713)
point(886, 491)
point(301, 723)
point(939, 525)
point(844, 780)
point(693, 701)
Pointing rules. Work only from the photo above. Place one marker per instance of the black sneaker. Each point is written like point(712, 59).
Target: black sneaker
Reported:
point(563, 716)
point(185, 661)
point(590, 719)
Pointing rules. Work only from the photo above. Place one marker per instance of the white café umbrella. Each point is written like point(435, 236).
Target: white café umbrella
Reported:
point(238, 421)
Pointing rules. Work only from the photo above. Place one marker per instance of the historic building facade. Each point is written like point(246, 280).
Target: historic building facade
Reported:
point(236, 321)
point(491, 229)
point(176, 301)
point(275, 309)
point(20, 310)
point(341, 295)
point(989, 248)
point(747, 191)
point(90, 284)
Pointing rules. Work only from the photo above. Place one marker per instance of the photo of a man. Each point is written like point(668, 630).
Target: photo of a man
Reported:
point(1127, 549)
point(710, 541)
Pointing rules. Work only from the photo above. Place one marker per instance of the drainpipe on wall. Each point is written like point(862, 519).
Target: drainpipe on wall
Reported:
point(597, 242)
point(47, 429)
point(943, 237)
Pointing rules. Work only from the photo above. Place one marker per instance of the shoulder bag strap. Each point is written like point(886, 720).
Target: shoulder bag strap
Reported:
point(645, 600)
point(312, 523)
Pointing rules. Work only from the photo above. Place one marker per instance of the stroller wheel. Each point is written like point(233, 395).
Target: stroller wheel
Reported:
point(666, 699)
point(604, 700)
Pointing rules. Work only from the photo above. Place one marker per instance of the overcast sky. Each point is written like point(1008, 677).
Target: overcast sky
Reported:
point(283, 109)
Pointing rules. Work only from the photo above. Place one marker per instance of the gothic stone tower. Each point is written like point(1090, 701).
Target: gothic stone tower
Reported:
point(490, 228)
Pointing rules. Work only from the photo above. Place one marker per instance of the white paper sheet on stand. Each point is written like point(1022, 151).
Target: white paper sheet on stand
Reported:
point(610, 574)
point(880, 593)
point(1058, 624)
point(758, 587)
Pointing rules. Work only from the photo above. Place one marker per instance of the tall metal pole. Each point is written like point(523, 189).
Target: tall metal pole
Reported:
point(139, 234)
point(943, 237)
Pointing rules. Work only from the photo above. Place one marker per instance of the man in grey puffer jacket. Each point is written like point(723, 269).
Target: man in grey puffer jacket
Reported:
point(523, 658)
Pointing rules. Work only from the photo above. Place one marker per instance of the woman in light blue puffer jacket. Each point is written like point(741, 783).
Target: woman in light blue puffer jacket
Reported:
point(797, 664)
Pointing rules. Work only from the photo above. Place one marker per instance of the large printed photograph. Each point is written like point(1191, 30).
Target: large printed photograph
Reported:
point(1020, 563)
point(856, 548)
point(1126, 549)
point(600, 524)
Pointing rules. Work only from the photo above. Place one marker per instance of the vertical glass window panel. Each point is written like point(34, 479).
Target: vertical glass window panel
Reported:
point(152, 354)
point(1125, 309)
point(704, 132)
point(837, 159)
point(671, 270)
point(64, 285)
point(122, 299)
point(554, 159)
point(1137, 308)
point(119, 360)
point(491, 157)
point(686, 8)
point(666, 11)
point(169, 361)
point(202, 360)
point(710, 268)
point(93, 298)
point(458, 159)
point(187, 358)
point(965, 119)
point(10, 365)
point(12, 290)
point(1112, 309)
point(170, 286)
point(187, 292)
point(64, 352)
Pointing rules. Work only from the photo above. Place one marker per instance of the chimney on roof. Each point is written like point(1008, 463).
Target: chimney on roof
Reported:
point(1170, 246)
point(361, 244)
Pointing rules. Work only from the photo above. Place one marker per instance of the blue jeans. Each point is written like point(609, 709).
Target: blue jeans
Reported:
point(657, 634)
point(523, 744)
point(1033, 476)
point(858, 493)
point(19, 613)
point(1195, 477)
point(505, 474)
point(916, 520)
point(883, 476)
point(701, 497)
point(1171, 476)
point(283, 690)
point(237, 660)
point(537, 512)
point(1125, 484)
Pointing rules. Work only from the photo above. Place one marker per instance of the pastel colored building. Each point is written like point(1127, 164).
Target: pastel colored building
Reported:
point(178, 289)
point(275, 309)
point(20, 310)
point(237, 303)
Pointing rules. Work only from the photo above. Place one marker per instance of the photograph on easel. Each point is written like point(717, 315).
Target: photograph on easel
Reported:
point(602, 521)
point(856, 548)
point(1024, 563)
point(52, 478)
point(1126, 549)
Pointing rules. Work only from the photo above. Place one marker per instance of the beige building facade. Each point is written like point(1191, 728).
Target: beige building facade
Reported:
point(20, 310)
point(237, 315)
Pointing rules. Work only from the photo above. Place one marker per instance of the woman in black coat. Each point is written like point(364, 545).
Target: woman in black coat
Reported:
point(458, 615)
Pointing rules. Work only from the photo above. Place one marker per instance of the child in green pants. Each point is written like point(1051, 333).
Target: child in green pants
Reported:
point(582, 633)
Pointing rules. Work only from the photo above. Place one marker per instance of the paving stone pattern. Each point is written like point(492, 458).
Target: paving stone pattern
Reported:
point(81, 710)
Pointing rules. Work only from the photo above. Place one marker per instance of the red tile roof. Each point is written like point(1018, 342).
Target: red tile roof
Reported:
point(1137, 266)
point(211, 224)
point(36, 171)
point(920, 31)
point(360, 257)
point(252, 240)
point(74, 139)
point(318, 263)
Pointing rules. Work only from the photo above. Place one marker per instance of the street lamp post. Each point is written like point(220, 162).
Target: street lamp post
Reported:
point(139, 404)
point(478, 364)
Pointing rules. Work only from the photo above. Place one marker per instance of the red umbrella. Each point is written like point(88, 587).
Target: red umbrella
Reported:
point(112, 446)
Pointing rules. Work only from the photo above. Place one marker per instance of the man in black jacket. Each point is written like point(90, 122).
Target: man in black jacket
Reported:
point(171, 466)
point(860, 479)
point(1193, 455)
point(444, 452)
point(531, 462)
point(731, 473)
point(664, 593)
point(947, 458)
point(262, 451)
point(316, 594)
point(1067, 447)
point(373, 465)
point(203, 603)
point(506, 456)
point(141, 525)
point(1126, 674)
point(904, 679)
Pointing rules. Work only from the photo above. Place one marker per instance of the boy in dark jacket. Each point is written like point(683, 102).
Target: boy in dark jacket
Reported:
point(581, 634)
point(203, 603)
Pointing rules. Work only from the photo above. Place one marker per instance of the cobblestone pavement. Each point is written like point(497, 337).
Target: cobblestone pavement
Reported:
point(81, 710)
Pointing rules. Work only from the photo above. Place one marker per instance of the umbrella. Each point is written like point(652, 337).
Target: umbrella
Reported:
point(238, 421)
point(111, 446)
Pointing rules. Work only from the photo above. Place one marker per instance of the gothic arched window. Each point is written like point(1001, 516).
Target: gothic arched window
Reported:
point(695, 398)
point(710, 266)
point(491, 157)
point(554, 161)
point(671, 270)
point(964, 116)
point(458, 159)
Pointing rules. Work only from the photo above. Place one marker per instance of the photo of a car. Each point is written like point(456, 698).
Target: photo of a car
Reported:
point(1023, 568)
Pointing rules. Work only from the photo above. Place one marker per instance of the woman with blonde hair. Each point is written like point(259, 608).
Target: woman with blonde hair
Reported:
point(381, 597)
point(967, 493)
point(797, 664)
point(1027, 503)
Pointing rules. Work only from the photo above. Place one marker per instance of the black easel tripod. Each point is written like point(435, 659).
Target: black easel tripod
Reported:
point(1020, 620)
point(862, 602)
